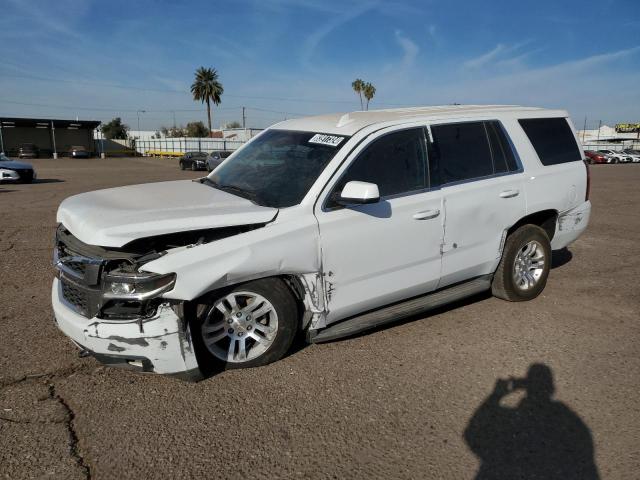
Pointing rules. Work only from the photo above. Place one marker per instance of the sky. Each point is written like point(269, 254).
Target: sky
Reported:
point(289, 58)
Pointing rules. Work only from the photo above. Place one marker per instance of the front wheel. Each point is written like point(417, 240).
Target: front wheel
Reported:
point(524, 268)
point(251, 325)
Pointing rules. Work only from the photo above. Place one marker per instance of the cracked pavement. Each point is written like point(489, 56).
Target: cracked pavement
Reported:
point(391, 404)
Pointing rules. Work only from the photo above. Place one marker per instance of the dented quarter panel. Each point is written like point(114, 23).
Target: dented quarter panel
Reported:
point(570, 225)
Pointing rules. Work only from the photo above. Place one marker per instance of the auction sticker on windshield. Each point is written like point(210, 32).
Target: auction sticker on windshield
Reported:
point(331, 140)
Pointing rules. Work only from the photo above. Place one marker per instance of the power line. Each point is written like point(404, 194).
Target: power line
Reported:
point(147, 110)
point(165, 90)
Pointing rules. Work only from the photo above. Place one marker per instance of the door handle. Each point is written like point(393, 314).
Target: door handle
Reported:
point(509, 193)
point(426, 214)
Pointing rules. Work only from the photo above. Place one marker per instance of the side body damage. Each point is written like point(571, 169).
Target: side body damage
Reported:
point(155, 335)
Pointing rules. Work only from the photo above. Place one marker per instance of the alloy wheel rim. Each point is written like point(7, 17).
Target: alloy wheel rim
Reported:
point(240, 327)
point(528, 265)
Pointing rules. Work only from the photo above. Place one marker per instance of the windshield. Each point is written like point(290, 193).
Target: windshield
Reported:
point(278, 168)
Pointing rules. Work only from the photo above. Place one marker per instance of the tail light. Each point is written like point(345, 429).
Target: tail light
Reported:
point(586, 196)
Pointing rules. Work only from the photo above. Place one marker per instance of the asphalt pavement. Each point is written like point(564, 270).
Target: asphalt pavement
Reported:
point(419, 399)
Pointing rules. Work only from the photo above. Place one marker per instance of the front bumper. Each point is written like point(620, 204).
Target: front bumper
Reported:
point(161, 344)
point(570, 225)
point(9, 175)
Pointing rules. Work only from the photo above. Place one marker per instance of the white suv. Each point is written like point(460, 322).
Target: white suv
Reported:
point(330, 225)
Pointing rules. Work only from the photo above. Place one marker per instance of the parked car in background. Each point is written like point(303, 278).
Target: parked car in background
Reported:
point(28, 150)
point(193, 161)
point(326, 226)
point(634, 154)
point(614, 157)
point(15, 172)
point(215, 158)
point(595, 157)
point(78, 151)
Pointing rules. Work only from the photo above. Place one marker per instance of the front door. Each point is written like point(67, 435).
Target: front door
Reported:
point(384, 252)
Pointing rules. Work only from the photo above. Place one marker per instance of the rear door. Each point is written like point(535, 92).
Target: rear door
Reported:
point(482, 186)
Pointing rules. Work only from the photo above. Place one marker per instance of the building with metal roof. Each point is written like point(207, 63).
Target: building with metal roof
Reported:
point(52, 137)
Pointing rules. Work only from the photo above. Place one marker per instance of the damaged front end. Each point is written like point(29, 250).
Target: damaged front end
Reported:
point(114, 310)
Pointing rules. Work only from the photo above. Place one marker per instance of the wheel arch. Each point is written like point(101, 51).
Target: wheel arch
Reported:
point(303, 288)
point(545, 219)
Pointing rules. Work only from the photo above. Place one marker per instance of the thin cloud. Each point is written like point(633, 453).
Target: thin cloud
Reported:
point(485, 58)
point(409, 50)
point(499, 52)
point(50, 20)
point(595, 60)
point(312, 41)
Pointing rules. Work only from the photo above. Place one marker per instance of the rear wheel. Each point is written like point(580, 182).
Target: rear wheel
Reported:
point(251, 325)
point(182, 166)
point(524, 268)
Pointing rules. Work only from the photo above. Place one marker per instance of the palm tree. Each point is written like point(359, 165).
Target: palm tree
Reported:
point(357, 86)
point(369, 91)
point(207, 88)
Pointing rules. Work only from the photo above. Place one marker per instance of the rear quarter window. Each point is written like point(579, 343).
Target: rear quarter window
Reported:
point(552, 140)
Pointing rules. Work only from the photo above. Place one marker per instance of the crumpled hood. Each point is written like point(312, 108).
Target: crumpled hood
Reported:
point(13, 165)
point(116, 216)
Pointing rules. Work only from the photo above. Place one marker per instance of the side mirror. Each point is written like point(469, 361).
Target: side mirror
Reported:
point(359, 193)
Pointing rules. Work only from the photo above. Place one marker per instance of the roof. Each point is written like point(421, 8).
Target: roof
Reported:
point(350, 123)
point(10, 122)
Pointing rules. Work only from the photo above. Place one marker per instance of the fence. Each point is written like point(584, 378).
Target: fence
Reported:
point(611, 146)
point(178, 146)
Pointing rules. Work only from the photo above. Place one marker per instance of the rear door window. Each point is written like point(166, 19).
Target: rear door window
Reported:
point(504, 159)
point(461, 151)
point(552, 140)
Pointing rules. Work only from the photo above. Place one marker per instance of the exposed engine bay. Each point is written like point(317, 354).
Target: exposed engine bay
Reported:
point(108, 283)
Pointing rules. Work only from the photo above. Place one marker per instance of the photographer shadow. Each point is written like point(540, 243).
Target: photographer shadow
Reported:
point(540, 438)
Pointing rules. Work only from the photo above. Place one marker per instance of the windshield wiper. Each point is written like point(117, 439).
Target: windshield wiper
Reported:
point(233, 189)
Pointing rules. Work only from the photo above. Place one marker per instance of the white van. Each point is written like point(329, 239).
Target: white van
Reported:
point(329, 225)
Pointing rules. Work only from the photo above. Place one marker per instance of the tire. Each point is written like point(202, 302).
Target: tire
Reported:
point(193, 167)
point(181, 166)
point(509, 283)
point(219, 324)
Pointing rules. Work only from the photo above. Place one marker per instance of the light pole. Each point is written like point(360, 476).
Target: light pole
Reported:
point(138, 114)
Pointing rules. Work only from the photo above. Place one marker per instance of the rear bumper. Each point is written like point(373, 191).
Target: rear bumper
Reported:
point(570, 225)
point(161, 344)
